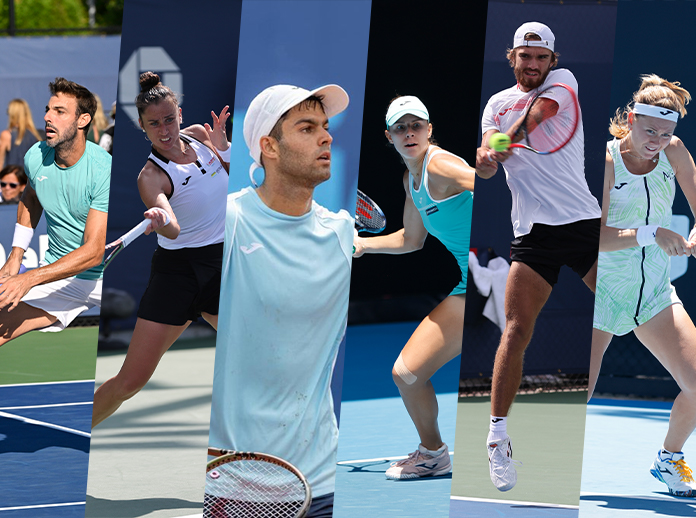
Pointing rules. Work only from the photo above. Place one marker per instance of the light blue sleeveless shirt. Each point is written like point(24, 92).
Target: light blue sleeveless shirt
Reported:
point(449, 220)
point(283, 312)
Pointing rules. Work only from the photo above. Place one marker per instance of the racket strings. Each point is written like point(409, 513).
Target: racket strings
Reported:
point(252, 488)
point(367, 215)
point(555, 122)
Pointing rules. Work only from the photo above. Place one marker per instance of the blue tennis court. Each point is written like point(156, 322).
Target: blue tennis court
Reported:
point(44, 449)
point(622, 438)
point(375, 430)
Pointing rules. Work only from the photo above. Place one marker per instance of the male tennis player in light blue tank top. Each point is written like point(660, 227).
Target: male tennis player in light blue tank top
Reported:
point(284, 293)
point(69, 182)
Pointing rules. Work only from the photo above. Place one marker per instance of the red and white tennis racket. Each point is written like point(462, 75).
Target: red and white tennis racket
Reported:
point(245, 484)
point(551, 120)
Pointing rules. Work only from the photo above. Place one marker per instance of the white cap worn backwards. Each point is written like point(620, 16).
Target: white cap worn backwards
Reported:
point(403, 105)
point(541, 30)
point(270, 105)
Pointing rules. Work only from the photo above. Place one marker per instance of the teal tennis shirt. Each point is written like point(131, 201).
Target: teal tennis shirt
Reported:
point(67, 195)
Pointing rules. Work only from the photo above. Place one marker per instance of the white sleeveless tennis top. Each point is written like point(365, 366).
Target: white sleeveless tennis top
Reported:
point(198, 197)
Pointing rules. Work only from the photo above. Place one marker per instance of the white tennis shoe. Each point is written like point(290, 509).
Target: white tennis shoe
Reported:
point(420, 464)
point(673, 471)
point(501, 465)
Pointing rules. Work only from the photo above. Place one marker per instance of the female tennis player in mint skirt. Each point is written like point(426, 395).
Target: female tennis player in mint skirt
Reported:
point(439, 195)
point(633, 285)
point(186, 178)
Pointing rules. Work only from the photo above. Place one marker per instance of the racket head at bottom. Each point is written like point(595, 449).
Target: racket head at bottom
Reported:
point(243, 484)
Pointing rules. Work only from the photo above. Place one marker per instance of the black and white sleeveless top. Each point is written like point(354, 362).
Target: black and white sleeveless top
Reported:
point(198, 197)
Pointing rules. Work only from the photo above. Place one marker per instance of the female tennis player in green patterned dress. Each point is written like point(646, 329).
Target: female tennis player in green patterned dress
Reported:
point(633, 286)
point(439, 196)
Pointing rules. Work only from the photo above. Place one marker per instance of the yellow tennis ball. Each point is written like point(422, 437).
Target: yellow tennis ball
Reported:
point(499, 142)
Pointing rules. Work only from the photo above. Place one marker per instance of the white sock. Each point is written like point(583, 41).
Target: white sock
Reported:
point(497, 428)
point(432, 453)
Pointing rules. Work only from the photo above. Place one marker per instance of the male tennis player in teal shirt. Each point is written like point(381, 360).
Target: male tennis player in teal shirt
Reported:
point(69, 182)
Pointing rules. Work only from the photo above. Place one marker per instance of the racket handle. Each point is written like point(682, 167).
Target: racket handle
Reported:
point(130, 236)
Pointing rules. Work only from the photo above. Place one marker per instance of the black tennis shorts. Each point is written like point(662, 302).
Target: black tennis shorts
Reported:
point(548, 247)
point(183, 284)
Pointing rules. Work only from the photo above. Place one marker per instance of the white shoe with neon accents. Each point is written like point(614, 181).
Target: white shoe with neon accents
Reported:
point(671, 469)
point(420, 464)
point(501, 465)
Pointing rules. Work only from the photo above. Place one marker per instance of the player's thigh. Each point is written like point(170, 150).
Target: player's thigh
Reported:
point(211, 319)
point(437, 339)
point(22, 319)
point(671, 337)
point(149, 342)
point(526, 292)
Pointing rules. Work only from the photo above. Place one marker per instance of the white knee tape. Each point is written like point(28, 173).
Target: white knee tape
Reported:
point(403, 372)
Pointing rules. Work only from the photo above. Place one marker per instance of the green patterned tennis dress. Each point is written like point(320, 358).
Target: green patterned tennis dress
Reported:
point(633, 284)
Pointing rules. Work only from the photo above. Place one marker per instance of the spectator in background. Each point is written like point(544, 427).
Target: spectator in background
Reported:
point(20, 134)
point(12, 183)
point(99, 123)
point(107, 139)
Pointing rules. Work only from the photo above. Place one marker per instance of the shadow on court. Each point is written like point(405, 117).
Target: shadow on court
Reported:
point(673, 506)
point(138, 507)
point(17, 436)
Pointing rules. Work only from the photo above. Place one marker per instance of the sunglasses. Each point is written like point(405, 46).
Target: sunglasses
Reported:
point(12, 185)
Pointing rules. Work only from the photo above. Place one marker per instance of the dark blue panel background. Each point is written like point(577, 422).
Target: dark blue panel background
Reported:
point(202, 39)
point(585, 40)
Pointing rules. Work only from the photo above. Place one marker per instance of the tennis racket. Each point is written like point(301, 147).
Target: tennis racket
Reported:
point(114, 248)
point(244, 484)
point(368, 216)
point(551, 120)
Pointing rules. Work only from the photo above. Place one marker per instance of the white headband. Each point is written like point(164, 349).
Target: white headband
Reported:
point(655, 111)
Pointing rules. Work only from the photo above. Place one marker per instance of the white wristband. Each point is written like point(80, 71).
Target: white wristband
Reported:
point(646, 235)
point(22, 236)
point(225, 155)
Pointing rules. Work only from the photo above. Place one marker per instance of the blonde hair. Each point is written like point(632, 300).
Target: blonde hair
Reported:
point(655, 91)
point(100, 122)
point(19, 116)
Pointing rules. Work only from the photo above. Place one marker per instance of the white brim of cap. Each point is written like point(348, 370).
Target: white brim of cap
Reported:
point(335, 99)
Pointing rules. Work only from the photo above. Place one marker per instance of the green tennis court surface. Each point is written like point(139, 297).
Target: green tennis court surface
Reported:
point(547, 432)
point(39, 357)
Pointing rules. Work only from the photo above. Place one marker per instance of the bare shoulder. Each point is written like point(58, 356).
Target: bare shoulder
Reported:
point(609, 170)
point(196, 131)
point(406, 183)
point(445, 164)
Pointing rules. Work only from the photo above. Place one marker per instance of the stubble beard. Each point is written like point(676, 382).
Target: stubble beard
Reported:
point(63, 143)
point(524, 81)
point(296, 168)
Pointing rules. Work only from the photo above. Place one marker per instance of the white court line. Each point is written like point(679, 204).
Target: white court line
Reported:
point(382, 459)
point(45, 383)
point(40, 506)
point(54, 405)
point(515, 502)
point(43, 423)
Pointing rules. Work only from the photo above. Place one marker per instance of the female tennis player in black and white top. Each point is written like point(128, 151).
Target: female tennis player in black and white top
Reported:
point(184, 178)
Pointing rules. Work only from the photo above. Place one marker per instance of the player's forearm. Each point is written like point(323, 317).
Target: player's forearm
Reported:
point(612, 239)
point(396, 243)
point(83, 258)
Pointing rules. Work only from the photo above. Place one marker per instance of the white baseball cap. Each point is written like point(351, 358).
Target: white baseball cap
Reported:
point(541, 30)
point(269, 106)
point(403, 105)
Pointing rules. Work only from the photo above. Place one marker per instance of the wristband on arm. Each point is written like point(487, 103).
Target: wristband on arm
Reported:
point(646, 235)
point(22, 236)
